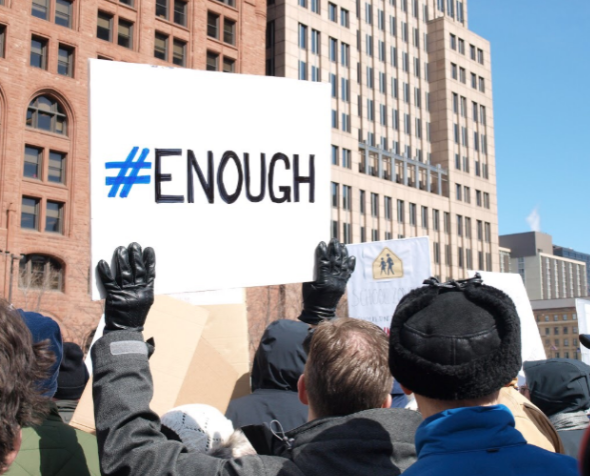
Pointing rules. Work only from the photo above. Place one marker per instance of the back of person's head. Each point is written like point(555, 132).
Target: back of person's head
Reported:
point(459, 341)
point(22, 365)
point(204, 429)
point(346, 370)
point(558, 385)
point(280, 358)
point(73, 373)
point(45, 329)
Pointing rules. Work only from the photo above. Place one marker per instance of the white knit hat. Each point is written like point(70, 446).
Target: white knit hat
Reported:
point(200, 427)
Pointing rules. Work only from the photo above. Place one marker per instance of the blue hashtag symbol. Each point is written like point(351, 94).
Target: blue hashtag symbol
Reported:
point(127, 181)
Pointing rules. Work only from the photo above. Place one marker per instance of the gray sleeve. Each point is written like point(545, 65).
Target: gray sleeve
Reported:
point(128, 432)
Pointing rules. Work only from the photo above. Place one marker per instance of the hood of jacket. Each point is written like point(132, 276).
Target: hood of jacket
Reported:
point(280, 358)
point(381, 439)
point(467, 429)
point(558, 385)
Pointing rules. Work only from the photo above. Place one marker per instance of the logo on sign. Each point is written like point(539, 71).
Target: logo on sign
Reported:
point(128, 174)
point(387, 265)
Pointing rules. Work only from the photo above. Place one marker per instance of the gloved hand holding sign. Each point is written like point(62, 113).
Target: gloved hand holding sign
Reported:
point(130, 292)
point(333, 270)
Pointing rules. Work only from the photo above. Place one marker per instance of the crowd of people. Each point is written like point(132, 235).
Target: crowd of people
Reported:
point(330, 396)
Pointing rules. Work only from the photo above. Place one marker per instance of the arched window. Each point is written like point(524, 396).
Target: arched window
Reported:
point(40, 272)
point(47, 114)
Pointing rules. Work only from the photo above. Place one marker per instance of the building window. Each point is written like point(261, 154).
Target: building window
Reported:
point(346, 197)
point(127, 2)
point(346, 158)
point(315, 6)
point(180, 9)
point(33, 162)
point(413, 214)
point(40, 9)
point(400, 211)
point(161, 46)
point(459, 225)
point(332, 12)
point(213, 25)
point(104, 26)
point(212, 61)
point(335, 195)
point(29, 217)
point(425, 217)
point(229, 31)
point(303, 74)
point(374, 205)
point(346, 236)
point(179, 52)
point(482, 84)
point(40, 272)
point(473, 81)
point(2, 41)
point(38, 52)
point(480, 56)
point(54, 217)
point(46, 114)
point(63, 13)
point(374, 235)
point(229, 65)
point(162, 8)
point(65, 61)
point(344, 18)
point(125, 34)
point(56, 171)
point(362, 202)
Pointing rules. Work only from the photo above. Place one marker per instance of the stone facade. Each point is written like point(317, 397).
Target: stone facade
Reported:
point(44, 224)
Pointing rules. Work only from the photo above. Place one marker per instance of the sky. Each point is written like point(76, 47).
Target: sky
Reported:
point(541, 91)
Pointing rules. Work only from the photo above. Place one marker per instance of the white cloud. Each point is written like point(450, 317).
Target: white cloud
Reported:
point(534, 220)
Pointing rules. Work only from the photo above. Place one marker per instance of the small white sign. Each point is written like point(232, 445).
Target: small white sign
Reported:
point(385, 272)
point(583, 312)
point(226, 176)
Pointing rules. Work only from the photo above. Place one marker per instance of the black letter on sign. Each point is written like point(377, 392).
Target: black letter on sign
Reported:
point(286, 197)
point(160, 177)
point(297, 179)
point(221, 186)
point(260, 196)
point(208, 185)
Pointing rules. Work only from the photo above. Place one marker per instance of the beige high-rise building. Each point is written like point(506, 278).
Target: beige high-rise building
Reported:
point(412, 118)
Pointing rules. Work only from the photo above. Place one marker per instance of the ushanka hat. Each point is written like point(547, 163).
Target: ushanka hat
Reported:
point(455, 341)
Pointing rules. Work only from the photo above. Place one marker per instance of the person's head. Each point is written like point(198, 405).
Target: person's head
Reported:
point(43, 329)
point(73, 373)
point(280, 357)
point(204, 429)
point(558, 385)
point(22, 365)
point(454, 345)
point(346, 370)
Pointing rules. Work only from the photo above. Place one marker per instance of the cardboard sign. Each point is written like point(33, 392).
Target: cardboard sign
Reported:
point(511, 284)
point(385, 271)
point(583, 312)
point(201, 357)
point(226, 176)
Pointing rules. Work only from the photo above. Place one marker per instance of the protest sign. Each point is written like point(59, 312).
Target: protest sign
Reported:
point(201, 357)
point(385, 271)
point(225, 176)
point(511, 284)
point(583, 312)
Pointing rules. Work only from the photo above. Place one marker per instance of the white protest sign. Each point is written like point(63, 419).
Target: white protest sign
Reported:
point(226, 176)
point(583, 312)
point(511, 284)
point(385, 272)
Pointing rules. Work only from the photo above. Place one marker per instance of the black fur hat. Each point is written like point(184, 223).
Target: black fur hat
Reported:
point(455, 341)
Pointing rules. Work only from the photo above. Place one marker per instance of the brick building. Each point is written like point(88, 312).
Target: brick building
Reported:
point(44, 197)
point(558, 326)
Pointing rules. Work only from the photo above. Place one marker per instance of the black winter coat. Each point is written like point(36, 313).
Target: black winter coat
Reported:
point(278, 363)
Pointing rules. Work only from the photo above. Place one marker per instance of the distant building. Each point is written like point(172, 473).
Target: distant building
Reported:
point(545, 275)
point(558, 325)
point(577, 255)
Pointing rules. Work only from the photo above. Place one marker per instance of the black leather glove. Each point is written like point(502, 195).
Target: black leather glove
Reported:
point(333, 269)
point(130, 292)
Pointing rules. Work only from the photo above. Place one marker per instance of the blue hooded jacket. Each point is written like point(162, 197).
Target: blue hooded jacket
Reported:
point(481, 441)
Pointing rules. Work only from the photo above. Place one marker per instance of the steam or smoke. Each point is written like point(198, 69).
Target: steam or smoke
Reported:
point(534, 220)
